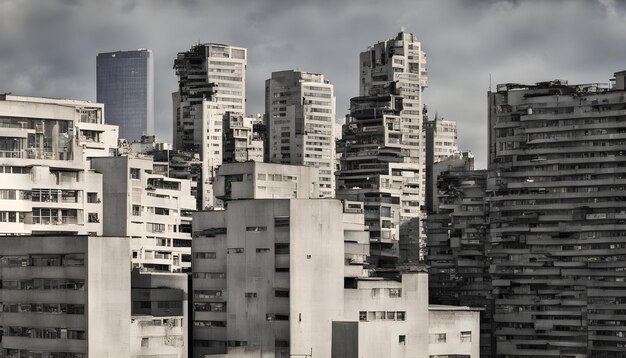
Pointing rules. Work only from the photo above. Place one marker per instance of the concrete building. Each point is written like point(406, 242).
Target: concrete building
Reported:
point(47, 185)
point(154, 210)
point(266, 181)
point(159, 315)
point(458, 244)
point(125, 85)
point(65, 296)
point(241, 142)
point(300, 119)
point(441, 138)
point(211, 82)
point(285, 277)
point(558, 187)
point(382, 152)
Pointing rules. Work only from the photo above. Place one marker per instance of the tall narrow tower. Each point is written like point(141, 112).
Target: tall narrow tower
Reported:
point(211, 82)
point(382, 152)
point(125, 85)
point(300, 118)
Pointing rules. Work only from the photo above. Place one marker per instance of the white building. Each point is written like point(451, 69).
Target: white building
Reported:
point(212, 81)
point(300, 119)
point(441, 135)
point(59, 301)
point(46, 185)
point(154, 210)
point(284, 277)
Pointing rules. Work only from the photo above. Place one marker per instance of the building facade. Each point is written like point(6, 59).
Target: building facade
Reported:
point(458, 243)
point(45, 147)
point(125, 85)
point(285, 276)
point(556, 153)
point(382, 151)
point(58, 301)
point(211, 82)
point(154, 210)
point(300, 120)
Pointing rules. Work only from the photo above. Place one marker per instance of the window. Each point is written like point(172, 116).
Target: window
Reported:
point(208, 293)
point(402, 339)
point(363, 316)
point(281, 249)
point(236, 250)
point(400, 316)
point(256, 228)
point(466, 336)
point(144, 342)
point(93, 218)
point(136, 210)
point(395, 292)
point(250, 294)
point(205, 255)
point(280, 292)
point(437, 338)
point(134, 173)
point(262, 250)
point(92, 198)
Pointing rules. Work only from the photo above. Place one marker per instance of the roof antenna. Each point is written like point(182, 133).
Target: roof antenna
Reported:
point(401, 28)
point(489, 81)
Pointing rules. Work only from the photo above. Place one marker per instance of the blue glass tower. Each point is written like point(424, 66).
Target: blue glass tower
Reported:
point(125, 86)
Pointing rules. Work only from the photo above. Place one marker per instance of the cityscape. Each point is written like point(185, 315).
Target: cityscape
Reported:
point(295, 227)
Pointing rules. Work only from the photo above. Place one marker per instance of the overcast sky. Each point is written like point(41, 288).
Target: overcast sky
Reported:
point(48, 48)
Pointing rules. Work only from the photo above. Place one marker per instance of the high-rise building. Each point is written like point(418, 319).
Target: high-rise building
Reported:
point(441, 137)
point(285, 277)
point(382, 154)
point(241, 142)
point(457, 241)
point(211, 82)
point(65, 296)
point(300, 120)
point(46, 185)
point(557, 157)
point(125, 84)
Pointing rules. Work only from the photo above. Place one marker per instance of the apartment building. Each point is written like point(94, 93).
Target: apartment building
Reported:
point(285, 276)
point(212, 82)
point(458, 242)
point(382, 151)
point(47, 185)
point(125, 85)
point(441, 139)
point(300, 119)
point(159, 321)
point(154, 210)
point(556, 153)
point(58, 301)
point(241, 142)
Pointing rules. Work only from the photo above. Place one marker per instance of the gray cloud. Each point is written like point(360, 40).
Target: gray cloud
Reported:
point(48, 48)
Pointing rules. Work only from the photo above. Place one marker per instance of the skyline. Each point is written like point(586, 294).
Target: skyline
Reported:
point(513, 41)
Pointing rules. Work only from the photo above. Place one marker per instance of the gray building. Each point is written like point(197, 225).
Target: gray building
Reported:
point(125, 84)
point(557, 157)
point(65, 296)
point(382, 151)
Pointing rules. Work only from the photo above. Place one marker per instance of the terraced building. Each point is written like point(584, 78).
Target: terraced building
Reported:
point(557, 157)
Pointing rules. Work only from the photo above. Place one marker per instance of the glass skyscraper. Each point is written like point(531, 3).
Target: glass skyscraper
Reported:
point(125, 86)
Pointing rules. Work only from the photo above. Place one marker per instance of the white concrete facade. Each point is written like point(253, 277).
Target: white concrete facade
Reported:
point(45, 146)
point(154, 210)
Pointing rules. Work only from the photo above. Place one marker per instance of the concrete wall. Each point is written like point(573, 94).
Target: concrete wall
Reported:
point(109, 297)
point(316, 274)
point(452, 321)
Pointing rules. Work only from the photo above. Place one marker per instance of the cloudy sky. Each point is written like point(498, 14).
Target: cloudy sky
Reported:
point(48, 48)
